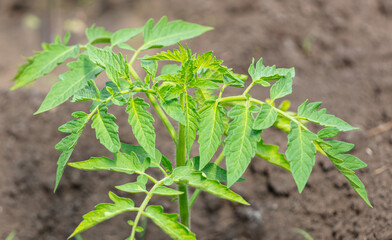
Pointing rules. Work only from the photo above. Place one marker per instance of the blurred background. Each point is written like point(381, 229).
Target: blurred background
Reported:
point(342, 52)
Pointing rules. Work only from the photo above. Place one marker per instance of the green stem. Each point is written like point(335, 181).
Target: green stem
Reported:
point(134, 57)
point(143, 206)
point(219, 158)
point(163, 117)
point(248, 88)
point(194, 196)
point(180, 161)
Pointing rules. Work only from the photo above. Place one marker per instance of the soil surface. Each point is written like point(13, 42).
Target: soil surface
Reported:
point(342, 52)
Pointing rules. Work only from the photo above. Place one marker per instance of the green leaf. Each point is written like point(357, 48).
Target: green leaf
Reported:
point(150, 67)
point(142, 154)
point(23, 67)
point(173, 109)
point(141, 123)
point(124, 35)
point(310, 112)
point(328, 132)
point(197, 180)
point(271, 154)
point(76, 125)
point(98, 35)
point(73, 81)
point(45, 62)
point(233, 80)
point(241, 142)
point(171, 69)
point(165, 191)
point(191, 122)
point(61, 163)
point(123, 163)
point(266, 117)
point(168, 33)
point(301, 154)
point(167, 164)
point(168, 91)
point(133, 187)
point(261, 72)
point(346, 164)
point(335, 152)
point(178, 55)
point(109, 60)
point(105, 211)
point(11, 236)
point(210, 132)
point(282, 87)
point(358, 186)
point(209, 61)
point(202, 95)
point(89, 93)
point(126, 47)
point(283, 123)
point(106, 130)
point(169, 224)
point(67, 144)
point(212, 171)
point(203, 84)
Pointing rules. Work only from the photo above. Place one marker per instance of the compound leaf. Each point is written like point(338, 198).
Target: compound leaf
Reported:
point(168, 33)
point(266, 117)
point(241, 142)
point(210, 132)
point(310, 112)
point(301, 154)
point(169, 224)
point(282, 87)
point(72, 82)
point(141, 123)
point(104, 211)
point(106, 130)
point(45, 62)
point(98, 35)
point(271, 154)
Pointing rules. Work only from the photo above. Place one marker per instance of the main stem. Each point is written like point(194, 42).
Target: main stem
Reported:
point(180, 161)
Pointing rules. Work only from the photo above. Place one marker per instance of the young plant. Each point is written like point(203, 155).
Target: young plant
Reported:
point(189, 89)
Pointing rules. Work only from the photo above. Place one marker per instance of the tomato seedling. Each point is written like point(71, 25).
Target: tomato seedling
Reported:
point(186, 91)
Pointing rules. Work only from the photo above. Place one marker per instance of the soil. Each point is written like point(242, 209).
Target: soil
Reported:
point(342, 52)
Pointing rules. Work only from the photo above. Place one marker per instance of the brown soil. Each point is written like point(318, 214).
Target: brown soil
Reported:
point(343, 57)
